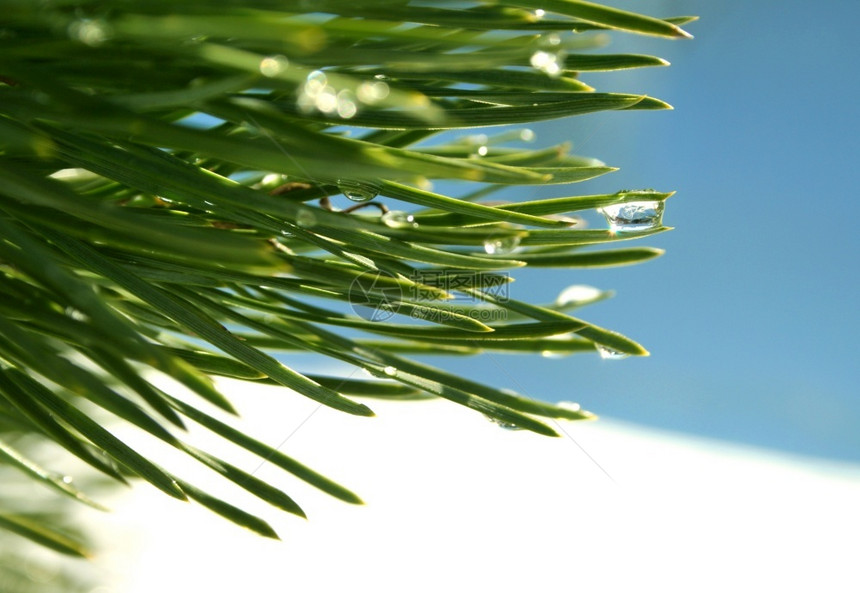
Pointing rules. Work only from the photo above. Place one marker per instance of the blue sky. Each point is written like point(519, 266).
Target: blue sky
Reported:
point(751, 316)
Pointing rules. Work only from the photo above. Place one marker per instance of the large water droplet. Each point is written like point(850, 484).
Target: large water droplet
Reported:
point(390, 371)
point(502, 423)
point(578, 294)
point(357, 191)
point(610, 354)
point(305, 218)
point(273, 65)
point(501, 245)
point(397, 219)
point(634, 216)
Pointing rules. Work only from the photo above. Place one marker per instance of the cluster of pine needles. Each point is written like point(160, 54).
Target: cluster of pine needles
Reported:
point(168, 175)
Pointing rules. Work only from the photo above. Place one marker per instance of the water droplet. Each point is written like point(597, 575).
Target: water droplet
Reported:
point(552, 39)
point(305, 218)
point(315, 82)
point(548, 62)
point(540, 13)
point(316, 93)
point(633, 216)
point(326, 99)
point(501, 245)
point(381, 77)
point(372, 92)
point(609, 353)
point(577, 294)
point(477, 139)
point(553, 354)
point(346, 106)
point(397, 219)
point(272, 179)
point(75, 314)
point(67, 479)
point(571, 406)
point(527, 135)
point(357, 191)
point(390, 371)
point(89, 31)
point(502, 423)
point(273, 65)
point(423, 183)
point(482, 150)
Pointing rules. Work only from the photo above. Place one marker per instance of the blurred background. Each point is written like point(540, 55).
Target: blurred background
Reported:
point(751, 316)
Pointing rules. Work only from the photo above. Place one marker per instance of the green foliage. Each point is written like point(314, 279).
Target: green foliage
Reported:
point(165, 205)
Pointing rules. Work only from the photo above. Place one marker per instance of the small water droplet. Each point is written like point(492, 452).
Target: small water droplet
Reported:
point(540, 13)
point(633, 216)
point(357, 191)
point(527, 135)
point(547, 62)
point(482, 150)
point(346, 105)
point(390, 371)
point(381, 77)
point(397, 219)
point(75, 314)
point(577, 294)
point(89, 31)
point(552, 39)
point(316, 93)
point(67, 479)
point(423, 183)
point(273, 65)
point(502, 423)
point(609, 353)
point(501, 245)
point(305, 218)
point(272, 179)
point(571, 406)
point(553, 354)
point(326, 99)
point(315, 82)
point(372, 92)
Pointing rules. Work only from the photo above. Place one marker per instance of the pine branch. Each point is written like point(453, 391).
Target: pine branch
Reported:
point(189, 187)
